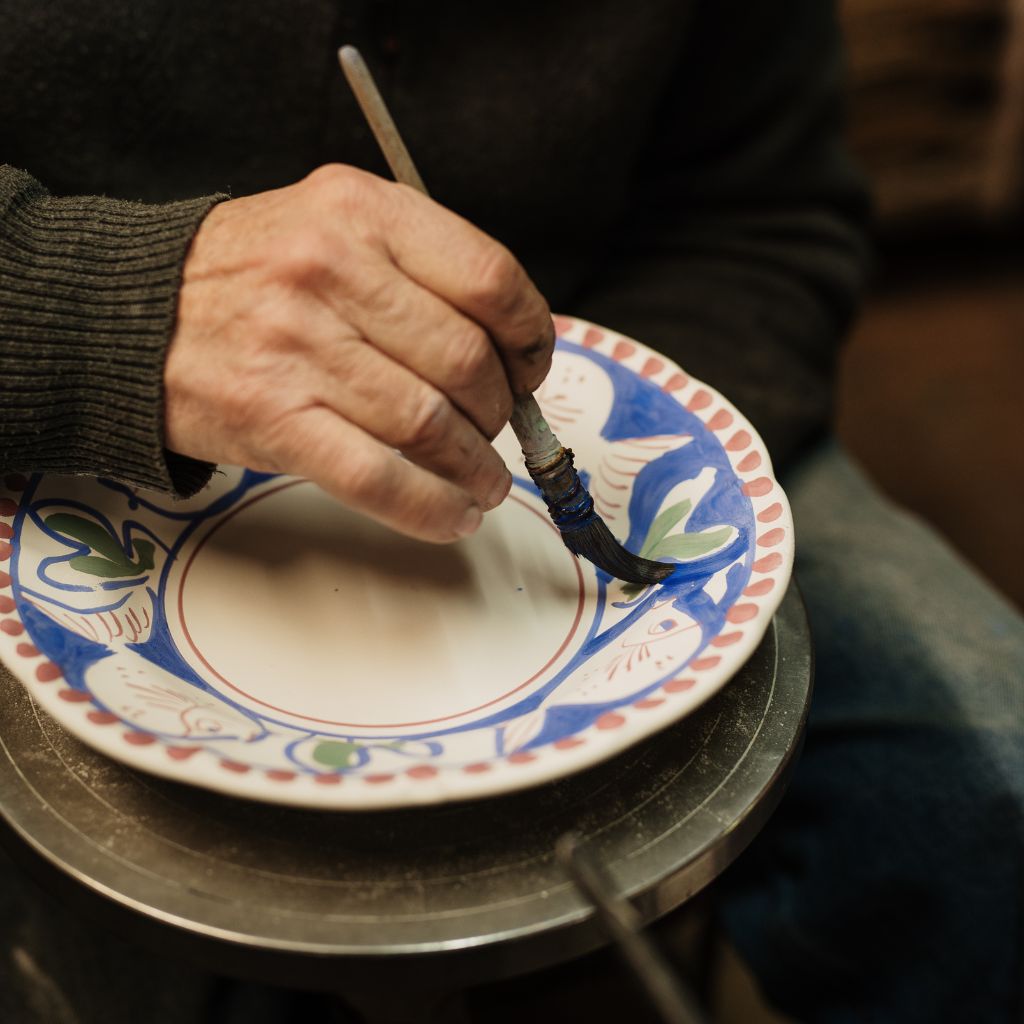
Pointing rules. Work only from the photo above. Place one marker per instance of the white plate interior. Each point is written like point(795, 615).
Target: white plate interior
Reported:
point(263, 641)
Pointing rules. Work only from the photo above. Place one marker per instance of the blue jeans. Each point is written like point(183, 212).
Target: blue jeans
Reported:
point(888, 886)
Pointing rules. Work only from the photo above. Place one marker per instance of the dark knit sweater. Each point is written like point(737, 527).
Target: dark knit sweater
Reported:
point(670, 169)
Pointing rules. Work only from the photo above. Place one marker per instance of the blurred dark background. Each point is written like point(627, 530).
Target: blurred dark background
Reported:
point(930, 398)
point(930, 388)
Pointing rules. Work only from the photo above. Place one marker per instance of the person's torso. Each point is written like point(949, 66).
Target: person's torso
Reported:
point(527, 118)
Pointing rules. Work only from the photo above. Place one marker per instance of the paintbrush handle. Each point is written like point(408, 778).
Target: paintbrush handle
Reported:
point(379, 118)
point(550, 465)
point(539, 444)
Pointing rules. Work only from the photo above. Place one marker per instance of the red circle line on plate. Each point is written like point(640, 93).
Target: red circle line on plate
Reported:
point(367, 725)
point(765, 565)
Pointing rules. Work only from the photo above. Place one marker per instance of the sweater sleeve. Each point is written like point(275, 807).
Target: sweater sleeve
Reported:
point(742, 255)
point(88, 299)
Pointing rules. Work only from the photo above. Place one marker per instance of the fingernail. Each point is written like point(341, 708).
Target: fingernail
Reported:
point(470, 521)
point(500, 492)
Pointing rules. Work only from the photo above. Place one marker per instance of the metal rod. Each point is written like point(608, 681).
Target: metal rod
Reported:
point(621, 920)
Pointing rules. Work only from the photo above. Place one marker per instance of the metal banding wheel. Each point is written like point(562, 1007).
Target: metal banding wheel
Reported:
point(470, 890)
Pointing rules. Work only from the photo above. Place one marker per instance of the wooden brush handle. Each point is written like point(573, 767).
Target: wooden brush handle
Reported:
point(539, 444)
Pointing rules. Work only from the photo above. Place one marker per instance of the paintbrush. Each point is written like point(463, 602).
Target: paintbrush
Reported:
point(549, 464)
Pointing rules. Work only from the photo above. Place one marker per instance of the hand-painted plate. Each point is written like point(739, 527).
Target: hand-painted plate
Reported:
point(263, 641)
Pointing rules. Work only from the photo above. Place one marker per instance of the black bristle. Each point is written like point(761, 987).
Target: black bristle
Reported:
point(595, 542)
point(585, 534)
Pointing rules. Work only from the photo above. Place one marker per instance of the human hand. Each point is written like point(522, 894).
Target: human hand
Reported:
point(324, 325)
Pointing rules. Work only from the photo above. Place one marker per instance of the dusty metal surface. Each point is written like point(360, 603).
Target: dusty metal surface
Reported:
point(470, 891)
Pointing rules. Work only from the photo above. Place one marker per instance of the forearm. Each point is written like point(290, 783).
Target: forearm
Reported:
point(88, 294)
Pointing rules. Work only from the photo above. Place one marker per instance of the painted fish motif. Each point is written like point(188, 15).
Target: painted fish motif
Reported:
point(129, 623)
point(150, 698)
point(628, 665)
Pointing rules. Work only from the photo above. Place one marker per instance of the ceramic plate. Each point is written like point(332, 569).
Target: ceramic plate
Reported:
point(263, 641)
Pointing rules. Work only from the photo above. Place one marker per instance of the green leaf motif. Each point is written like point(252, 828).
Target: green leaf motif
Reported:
point(336, 753)
point(659, 544)
point(682, 546)
point(110, 560)
point(663, 524)
point(690, 545)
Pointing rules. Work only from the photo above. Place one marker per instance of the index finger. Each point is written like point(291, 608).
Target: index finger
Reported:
point(478, 276)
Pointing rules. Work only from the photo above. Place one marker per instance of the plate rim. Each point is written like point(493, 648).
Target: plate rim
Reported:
point(749, 618)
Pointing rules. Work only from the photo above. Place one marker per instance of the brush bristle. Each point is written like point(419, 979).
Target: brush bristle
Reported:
point(572, 510)
point(595, 542)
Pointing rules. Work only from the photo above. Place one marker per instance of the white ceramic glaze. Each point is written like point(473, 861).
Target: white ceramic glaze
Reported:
point(263, 641)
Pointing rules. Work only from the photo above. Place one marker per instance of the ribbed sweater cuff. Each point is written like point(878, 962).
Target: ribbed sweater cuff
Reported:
point(88, 298)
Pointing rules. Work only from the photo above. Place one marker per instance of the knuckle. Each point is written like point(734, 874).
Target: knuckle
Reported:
point(322, 184)
point(469, 354)
point(323, 175)
point(304, 261)
point(329, 177)
point(426, 422)
point(364, 478)
point(343, 186)
point(496, 278)
point(276, 331)
point(347, 194)
point(379, 293)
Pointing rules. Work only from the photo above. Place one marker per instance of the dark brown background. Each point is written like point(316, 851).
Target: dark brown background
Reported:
point(931, 384)
point(930, 395)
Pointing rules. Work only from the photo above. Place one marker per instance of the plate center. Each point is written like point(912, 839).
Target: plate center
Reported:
point(301, 609)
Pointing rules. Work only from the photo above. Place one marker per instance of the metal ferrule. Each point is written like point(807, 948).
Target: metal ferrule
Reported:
point(569, 503)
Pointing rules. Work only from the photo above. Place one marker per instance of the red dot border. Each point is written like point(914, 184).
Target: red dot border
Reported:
point(770, 567)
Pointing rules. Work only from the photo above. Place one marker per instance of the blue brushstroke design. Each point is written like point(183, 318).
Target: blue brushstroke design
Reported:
point(112, 607)
point(640, 409)
point(75, 654)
